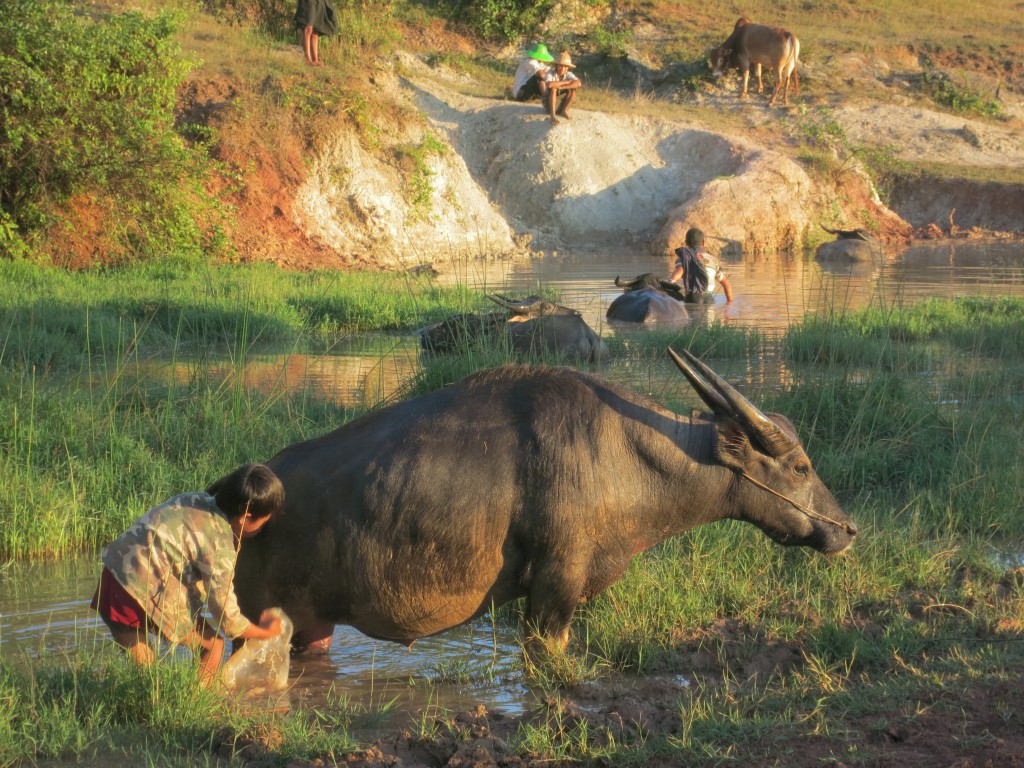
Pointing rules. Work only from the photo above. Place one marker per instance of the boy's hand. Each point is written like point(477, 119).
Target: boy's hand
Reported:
point(270, 623)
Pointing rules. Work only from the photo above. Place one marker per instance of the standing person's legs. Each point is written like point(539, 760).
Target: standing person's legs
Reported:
point(316, 50)
point(724, 282)
point(307, 43)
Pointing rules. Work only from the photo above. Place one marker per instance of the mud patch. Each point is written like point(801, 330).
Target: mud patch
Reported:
point(959, 203)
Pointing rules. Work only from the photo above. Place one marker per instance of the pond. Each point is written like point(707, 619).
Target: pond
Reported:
point(770, 294)
point(45, 606)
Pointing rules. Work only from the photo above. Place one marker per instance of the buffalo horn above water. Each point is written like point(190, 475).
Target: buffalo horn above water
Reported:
point(722, 398)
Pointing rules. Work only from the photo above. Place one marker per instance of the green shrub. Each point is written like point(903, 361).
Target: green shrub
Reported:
point(960, 98)
point(502, 20)
point(87, 108)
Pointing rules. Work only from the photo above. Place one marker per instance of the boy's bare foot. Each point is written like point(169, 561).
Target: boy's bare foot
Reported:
point(554, 120)
point(564, 114)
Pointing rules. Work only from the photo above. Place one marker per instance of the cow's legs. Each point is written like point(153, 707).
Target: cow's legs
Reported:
point(781, 83)
point(549, 608)
point(760, 82)
point(315, 640)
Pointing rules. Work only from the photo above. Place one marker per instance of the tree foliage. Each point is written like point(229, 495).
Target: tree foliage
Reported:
point(506, 21)
point(88, 108)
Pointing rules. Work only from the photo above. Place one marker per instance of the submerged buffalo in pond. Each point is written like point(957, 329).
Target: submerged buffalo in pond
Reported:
point(532, 325)
point(517, 482)
point(648, 299)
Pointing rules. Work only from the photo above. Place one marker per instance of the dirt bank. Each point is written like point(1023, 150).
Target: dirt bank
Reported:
point(501, 176)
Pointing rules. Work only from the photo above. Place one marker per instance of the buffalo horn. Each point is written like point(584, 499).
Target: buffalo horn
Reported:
point(627, 284)
point(760, 427)
point(523, 307)
point(713, 400)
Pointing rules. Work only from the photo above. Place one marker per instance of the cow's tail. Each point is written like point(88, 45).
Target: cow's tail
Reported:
point(794, 47)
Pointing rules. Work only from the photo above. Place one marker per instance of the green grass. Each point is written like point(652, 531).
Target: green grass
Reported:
point(97, 705)
point(91, 437)
point(912, 417)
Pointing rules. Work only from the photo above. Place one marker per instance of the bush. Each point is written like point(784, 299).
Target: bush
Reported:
point(504, 21)
point(87, 109)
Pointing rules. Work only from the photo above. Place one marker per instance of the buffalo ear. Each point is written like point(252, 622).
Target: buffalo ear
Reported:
point(732, 447)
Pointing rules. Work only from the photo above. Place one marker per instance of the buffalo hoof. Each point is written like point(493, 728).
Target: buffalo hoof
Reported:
point(313, 640)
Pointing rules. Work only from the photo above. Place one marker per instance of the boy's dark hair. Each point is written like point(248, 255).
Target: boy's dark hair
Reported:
point(694, 237)
point(253, 488)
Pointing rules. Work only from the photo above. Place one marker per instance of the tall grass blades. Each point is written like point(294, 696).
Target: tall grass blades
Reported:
point(95, 424)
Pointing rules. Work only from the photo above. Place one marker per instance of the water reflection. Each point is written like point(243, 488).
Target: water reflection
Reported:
point(44, 608)
point(774, 292)
point(771, 294)
point(360, 372)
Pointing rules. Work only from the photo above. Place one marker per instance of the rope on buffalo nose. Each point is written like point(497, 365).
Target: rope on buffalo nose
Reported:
point(851, 530)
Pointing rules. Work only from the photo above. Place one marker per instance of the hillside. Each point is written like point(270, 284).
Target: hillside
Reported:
point(404, 149)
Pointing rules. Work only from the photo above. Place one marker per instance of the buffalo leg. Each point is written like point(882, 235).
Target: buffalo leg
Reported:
point(549, 610)
point(315, 639)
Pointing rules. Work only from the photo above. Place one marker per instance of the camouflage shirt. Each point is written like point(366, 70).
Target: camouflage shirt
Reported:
point(176, 559)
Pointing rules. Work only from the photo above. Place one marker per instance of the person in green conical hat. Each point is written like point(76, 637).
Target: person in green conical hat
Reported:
point(529, 78)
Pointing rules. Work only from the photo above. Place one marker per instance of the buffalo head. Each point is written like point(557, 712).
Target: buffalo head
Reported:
point(780, 492)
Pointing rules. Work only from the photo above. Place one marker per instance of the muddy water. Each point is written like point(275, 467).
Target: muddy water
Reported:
point(770, 294)
point(774, 292)
point(45, 607)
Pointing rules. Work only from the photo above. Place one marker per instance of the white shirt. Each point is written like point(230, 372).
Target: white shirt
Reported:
point(527, 69)
point(553, 77)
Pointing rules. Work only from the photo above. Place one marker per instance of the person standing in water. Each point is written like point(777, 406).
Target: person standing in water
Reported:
point(697, 270)
point(315, 18)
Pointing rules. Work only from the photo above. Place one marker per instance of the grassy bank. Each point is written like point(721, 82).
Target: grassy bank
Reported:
point(163, 127)
point(94, 430)
point(912, 417)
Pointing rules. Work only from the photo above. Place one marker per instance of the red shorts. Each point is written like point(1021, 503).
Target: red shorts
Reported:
point(117, 608)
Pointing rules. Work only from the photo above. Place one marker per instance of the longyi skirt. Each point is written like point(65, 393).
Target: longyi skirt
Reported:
point(318, 13)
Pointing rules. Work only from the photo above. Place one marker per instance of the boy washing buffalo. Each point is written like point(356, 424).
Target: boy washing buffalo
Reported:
point(179, 558)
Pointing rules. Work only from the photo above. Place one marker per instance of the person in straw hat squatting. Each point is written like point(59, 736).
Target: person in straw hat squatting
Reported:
point(533, 69)
point(560, 88)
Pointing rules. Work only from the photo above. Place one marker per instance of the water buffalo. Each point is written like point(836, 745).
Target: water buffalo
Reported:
point(756, 45)
point(648, 299)
point(517, 481)
point(532, 325)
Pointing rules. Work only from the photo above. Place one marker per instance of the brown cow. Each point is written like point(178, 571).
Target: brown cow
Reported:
point(756, 45)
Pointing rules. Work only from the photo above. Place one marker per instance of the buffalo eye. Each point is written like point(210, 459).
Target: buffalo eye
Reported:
point(802, 468)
